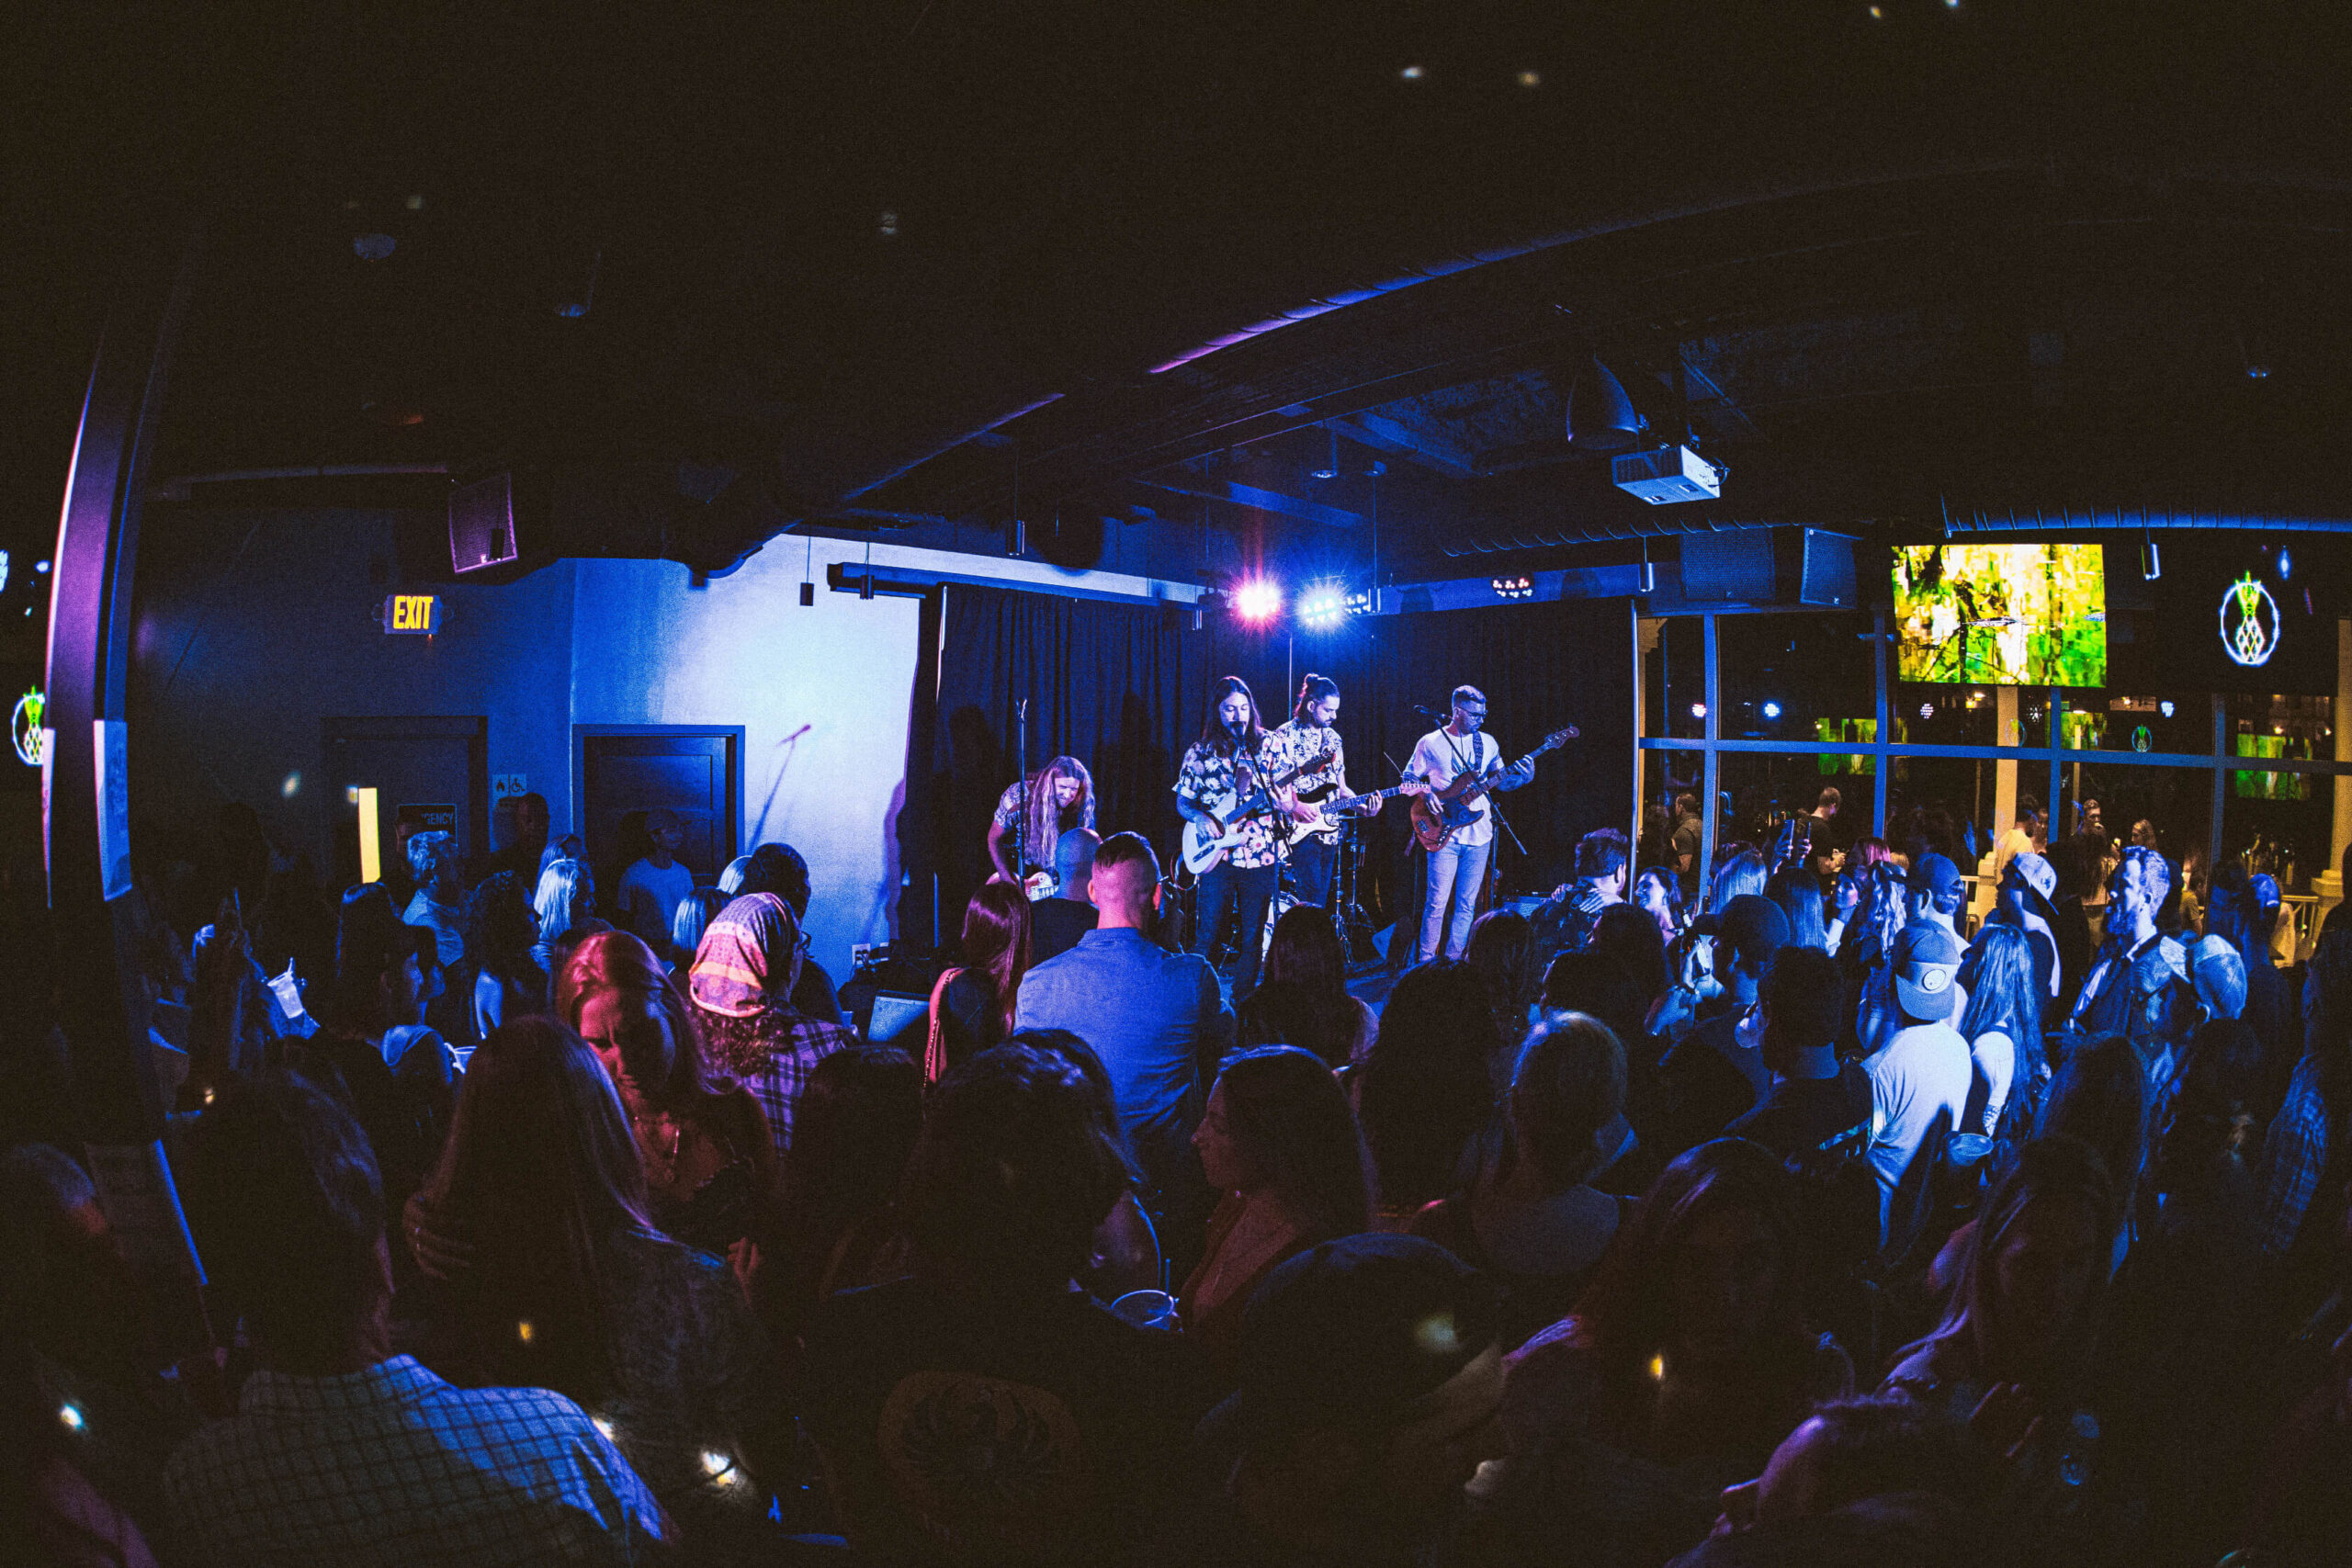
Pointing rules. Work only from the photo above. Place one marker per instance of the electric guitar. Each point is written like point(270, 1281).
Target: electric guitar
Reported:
point(1327, 809)
point(1437, 814)
point(1202, 849)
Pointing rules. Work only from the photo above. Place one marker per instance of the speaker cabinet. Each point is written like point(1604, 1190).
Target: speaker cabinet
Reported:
point(1791, 567)
point(482, 524)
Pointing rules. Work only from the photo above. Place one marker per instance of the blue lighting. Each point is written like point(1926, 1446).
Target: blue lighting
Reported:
point(1772, 710)
point(2286, 568)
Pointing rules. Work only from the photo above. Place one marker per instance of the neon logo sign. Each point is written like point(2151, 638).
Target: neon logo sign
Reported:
point(2250, 624)
point(24, 727)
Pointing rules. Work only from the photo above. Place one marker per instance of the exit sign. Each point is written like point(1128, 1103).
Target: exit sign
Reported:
point(412, 613)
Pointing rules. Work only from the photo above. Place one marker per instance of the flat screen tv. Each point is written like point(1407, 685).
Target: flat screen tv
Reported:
point(2002, 614)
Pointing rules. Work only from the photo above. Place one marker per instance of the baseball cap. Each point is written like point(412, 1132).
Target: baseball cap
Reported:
point(1926, 967)
point(1935, 875)
point(2034, 872)
point(1355, 1329)
point(1755, 929)
point(2217, 973)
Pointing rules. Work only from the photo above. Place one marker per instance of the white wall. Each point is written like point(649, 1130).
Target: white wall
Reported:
point(255, 628)
point(650, 649)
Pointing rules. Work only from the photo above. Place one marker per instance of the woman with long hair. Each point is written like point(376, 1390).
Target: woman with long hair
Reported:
point(2099, 1099)
point(1739, 871)
point(1657, 893)
point(971, 1005)
point(2013, 1355)
point(564, 900)
point(1502, 950)
point(1306, 956)
point(1687, 1359)
point(1798, 893)
point(1533, 1221)
point(710, 1166)
point(1279, 1141)
point(1037, 811)
point(689, 920)
point(1426, 1091)
point(568, 1285)
point(2002, 1025)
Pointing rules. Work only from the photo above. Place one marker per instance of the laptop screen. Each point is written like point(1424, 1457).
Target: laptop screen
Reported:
point(896, 1013)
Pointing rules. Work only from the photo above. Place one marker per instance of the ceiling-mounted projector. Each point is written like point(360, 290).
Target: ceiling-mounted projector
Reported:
point(1667, 474)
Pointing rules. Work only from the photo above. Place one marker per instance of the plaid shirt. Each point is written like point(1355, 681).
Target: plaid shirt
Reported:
point(392, 1465)
point(771, 1052)
point(2294, 1153)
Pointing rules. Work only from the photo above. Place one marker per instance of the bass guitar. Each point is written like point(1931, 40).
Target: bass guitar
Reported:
point(1327, 809)
point(1204, 849)
point(1437, 814)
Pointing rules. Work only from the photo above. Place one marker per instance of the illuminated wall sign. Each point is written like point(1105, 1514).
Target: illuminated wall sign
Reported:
point(24, 727)
point(2250, 624)
point(412, 613)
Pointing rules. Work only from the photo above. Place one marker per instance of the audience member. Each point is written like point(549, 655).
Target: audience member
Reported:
point(1533, 1221)
point(1740, 872)
point(971, 1005)
point(2235, 914)
point(2138, 986)
point(1279, 1144)
point(2305, 1140)
point(437, 906)
point(1156, 1018)
point(1056, 924)
point(1919, 1078)
point(1306, 952)
point(1813, 1096)
point(2013, 1355)
point(1623, 935)
point(2002, 1023)
point(564, 902)
point(1597, 983)
point(748, 963)
point(1427, 1089)
point(558, 1279)
point(687, 922)
point(1126, 1253)
point(1658, 894)
point(519, 835)
point(2079, 863)
point(2101, 1100)
point(652, 889)
point(1690, 830)
point(1566, 921)
point(2022, 898)
point(837, 1228)
point(711, 1173)
point(341, 1451)
point(2025, 835)
point(1797, 891)
point(1504, 952)
point(502, 931)
point(1370, 1376)
point(1717, 1073)
point(983, 1402)
point(778, 869)
point(1684, 1366)
point(1860, 1483)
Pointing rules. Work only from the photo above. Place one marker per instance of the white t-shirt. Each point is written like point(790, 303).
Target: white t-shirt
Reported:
point(1995, 1058)
point(650, 900)
point(1439, 759)
point(1924, 1070)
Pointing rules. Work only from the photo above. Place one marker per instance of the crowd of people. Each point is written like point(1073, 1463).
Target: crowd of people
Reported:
point(1801, 1207)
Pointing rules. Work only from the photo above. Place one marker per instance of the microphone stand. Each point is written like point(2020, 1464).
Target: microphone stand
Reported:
point(1021, 823)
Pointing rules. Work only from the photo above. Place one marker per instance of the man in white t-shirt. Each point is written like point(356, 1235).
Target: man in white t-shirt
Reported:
point(1922, 1074)
point(652, 889)
point(1455, 872)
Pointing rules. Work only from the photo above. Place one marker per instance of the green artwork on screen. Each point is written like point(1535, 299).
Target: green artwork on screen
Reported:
point(2002, 614)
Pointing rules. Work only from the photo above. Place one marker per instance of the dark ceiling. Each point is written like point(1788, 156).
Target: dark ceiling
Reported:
point(1898, 258)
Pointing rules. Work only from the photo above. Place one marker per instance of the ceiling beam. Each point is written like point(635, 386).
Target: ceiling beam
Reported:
point(1253, 496)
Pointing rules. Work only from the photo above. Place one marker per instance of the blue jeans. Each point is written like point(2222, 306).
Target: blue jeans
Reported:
point(1245, 893)
point(1312, 862)
point(1456, 871)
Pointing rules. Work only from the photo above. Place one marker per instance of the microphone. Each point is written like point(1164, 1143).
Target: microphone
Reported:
point(1429, 712)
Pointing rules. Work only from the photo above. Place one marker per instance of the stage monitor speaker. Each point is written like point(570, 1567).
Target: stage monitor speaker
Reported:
point(482, 524)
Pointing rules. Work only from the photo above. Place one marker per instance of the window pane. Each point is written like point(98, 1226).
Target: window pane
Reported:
point(1674, 677)
point(1783, 675)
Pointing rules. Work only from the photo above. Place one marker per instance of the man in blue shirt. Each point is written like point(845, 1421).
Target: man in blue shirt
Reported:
point(1156, 1018)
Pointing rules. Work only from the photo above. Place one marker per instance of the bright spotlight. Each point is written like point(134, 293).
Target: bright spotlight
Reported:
point(1772, 710)
point(1257, 601)
point(2165, 708)
point(2286, 566)
point(1322, 606)
point(1698, 710)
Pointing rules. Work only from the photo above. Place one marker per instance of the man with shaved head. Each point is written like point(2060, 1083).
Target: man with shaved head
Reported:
point(1153, 1015)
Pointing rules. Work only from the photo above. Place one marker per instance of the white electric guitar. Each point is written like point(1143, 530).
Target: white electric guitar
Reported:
point(1325, 810)
point(1204, 848)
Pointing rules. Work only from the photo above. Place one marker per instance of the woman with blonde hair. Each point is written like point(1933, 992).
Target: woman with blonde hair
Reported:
point(1036, 812)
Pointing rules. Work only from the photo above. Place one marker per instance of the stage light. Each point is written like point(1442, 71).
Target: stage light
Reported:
point(1927, 710)
point(1602, 418)
point(1330, 468)
point(1257, 601)
point(1513, 587)
point(41, 566)
point(1322, 606)
point(1359, 602)
point(1772, 710)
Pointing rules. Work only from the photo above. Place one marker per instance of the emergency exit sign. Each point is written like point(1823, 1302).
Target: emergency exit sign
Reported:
point(412, 613)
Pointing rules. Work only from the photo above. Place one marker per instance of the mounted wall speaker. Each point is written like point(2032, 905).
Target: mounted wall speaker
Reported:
point(482, 524)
